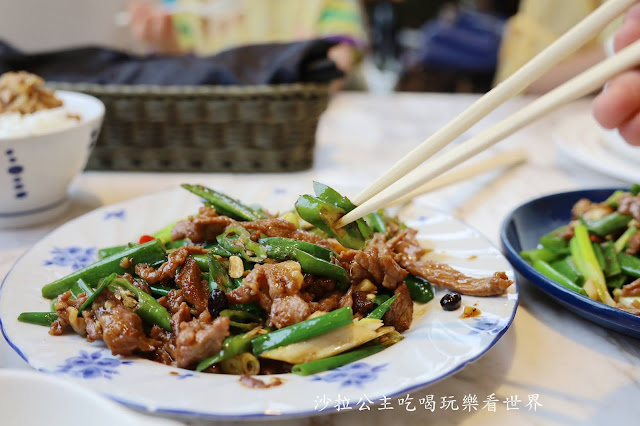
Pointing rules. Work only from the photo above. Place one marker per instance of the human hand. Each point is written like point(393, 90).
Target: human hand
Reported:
point(153, 25)
point(618, 106)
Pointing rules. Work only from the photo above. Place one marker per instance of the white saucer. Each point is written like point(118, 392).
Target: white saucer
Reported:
point(583, 140)
point(36, 216)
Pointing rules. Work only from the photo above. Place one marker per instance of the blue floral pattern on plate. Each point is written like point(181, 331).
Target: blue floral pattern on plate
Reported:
point(73, 256)
point(486, 324)
point(115, 214)
point(356, 374)
point(92, 365)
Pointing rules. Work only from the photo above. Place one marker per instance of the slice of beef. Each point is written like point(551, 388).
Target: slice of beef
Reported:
point(629, 205)
point(172, 301)
point(318, 287)
point(631, 309)
point(361, 303)
point(200, 338)
point(267, 284)
point(168, 269)
point(182, 314)
point(289, 310)
point(67, 311)
point(122, 331)
point(407, 251)
point(400, 313)
point(634, 244)
point(207, 225)
point(326, 304)
point(165, 350)
point(376, 262)
point(194, 288)
point(449, 278)
point(286, 229)
point(204, 227)
point(630, 290)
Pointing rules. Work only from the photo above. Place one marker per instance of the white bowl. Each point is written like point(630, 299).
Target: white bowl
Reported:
point(36, 171)
point(32, 398)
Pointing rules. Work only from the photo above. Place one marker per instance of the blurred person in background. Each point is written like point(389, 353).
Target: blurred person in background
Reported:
point(539, 23)
point(206, 27)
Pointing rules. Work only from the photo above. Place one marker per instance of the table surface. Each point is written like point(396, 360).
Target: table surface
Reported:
point(581, 373)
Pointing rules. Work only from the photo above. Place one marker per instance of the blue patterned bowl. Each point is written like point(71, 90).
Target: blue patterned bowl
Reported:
point(36, 170)
point(522, 230)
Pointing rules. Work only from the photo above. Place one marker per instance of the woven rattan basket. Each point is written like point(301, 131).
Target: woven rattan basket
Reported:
point(206, 128)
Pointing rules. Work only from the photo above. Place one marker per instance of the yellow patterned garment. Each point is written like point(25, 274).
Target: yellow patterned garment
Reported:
point(209, 26)
point(537, 24)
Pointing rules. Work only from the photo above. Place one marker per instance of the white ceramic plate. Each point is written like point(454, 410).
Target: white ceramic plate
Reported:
point(438, 344)
point(582, 139)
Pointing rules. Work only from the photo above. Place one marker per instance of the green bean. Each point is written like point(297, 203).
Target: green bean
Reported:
point(544, 253)
point(84, 287)
point(237, 240)
point(630, 265)
point(303, 330)
point(283, 248)
point(622, 242)
point(38, 318)
point(243, 325)
point(103, 284)
point(597, 250)
point(231, 347)
point(336, 361)
point(376, 221)
point(545, 269)
point(219, 276)
point(379, 312)
point(177, 244)
point(159, 291)
point(567, 268)
point(224, 204)
point(608, 224)
point(150, 253)
point(110, 251)
point(252, 308)
point(617, 281)
point(324, 215)
point(315, 266)
point(148, 308)
point(381, 298)
point(555, 242)
point(331, 196)
point(420, 289)
point(218, 250)
point(612, 266)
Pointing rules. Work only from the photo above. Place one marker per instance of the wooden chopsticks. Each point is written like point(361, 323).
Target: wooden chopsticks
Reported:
point(504, 159)
point(584, 31)
point(577, 87)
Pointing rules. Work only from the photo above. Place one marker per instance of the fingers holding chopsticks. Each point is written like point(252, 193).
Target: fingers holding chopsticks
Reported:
point(618, 106)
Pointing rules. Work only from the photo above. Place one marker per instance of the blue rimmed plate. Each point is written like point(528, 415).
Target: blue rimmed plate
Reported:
point(522, 230)
point(438, 344)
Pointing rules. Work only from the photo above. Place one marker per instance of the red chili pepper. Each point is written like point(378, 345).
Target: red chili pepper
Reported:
point(595, 238)
point(146, 239)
